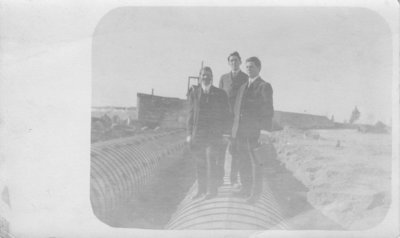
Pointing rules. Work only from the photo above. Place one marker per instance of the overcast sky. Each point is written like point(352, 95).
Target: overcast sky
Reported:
point(320, 61)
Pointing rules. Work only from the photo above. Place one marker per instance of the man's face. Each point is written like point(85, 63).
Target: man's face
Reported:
point(234, 62)
point(206, 77)
point(252, 70)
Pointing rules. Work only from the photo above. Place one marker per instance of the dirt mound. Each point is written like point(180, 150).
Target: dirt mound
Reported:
point(347, 173)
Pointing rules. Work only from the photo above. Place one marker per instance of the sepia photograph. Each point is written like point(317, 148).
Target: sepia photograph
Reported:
point(199, 118)
point(241, 118)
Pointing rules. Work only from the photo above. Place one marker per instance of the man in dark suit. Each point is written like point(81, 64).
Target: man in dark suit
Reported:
point(253, 112)
point(208, 112)
point(231, 83)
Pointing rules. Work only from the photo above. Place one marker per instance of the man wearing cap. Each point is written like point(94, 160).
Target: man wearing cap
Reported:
point(230, 83)
point(253, 112)
point(208, 113)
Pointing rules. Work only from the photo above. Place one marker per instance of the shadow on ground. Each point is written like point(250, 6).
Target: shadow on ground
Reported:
point(291, 195)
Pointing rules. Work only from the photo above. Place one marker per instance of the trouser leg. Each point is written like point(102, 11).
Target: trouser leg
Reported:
point(212, 169)
point(245, 166)
point(257, 172)
point(201, 171)
point(220, 163)
point(234, 167)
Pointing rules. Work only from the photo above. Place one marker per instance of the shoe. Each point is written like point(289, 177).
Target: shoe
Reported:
point(241, 193)
point(210, 195)
point(236, 186)
point(252, 199)
point(220, 183)
point(233, 182)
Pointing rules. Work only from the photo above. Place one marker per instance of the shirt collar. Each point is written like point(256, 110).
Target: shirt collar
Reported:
point(235, 72)
point(251, 80)
point(206, 88)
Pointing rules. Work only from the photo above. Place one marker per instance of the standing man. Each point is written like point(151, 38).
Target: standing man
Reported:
point(253, 112)
point(231, 83)
point(208, 112)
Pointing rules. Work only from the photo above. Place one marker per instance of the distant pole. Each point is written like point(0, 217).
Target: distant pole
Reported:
point(152, 91)
point(202, 65)
point(194, 77)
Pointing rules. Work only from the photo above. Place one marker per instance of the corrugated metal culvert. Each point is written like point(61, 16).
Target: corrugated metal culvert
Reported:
point(121, 168)
point(226, 212)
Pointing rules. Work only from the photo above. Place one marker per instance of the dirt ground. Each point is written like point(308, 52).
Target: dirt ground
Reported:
point(347, 173)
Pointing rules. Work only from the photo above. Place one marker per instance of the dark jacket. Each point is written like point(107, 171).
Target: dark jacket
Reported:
point(231, 86)
point(253, 110)
point(207, 114)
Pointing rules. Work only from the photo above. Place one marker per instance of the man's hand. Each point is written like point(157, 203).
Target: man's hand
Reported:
point(188, 139)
